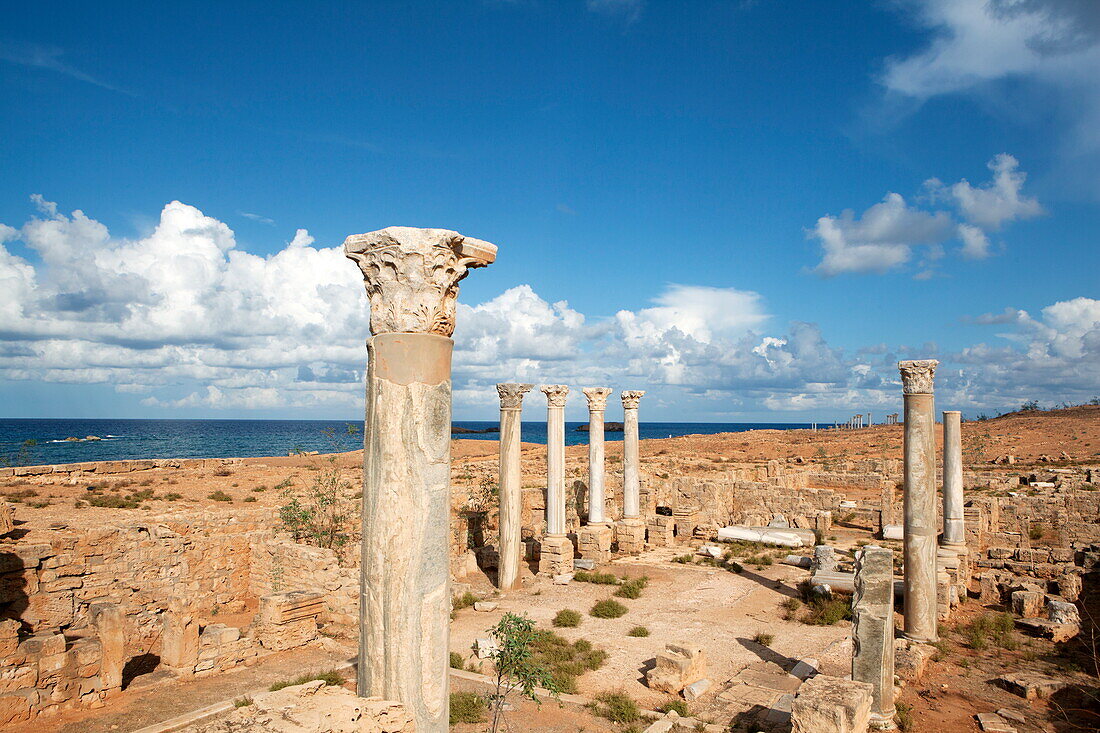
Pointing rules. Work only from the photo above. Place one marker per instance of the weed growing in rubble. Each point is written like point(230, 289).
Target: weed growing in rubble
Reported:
point(517, 669)
point(321, 514)
point(331, 678)
point(618, 707)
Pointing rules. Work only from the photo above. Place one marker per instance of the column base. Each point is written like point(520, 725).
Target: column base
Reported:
point(659, 530)
point(882, 721)
point(918, 639)
point(594, 542)
point(556, 556)
point(630, 535)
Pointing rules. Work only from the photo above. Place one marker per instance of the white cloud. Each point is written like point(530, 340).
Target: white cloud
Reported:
point(885, 236)
point(186, 321)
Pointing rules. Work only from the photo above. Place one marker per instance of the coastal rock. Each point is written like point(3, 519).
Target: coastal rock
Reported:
point(608, 427)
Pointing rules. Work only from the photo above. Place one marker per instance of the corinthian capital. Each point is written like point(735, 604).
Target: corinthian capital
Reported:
point(597, 398)
point(916, 376)
point(555, 394)
point(511, 395)
point(631, 398)
point(412, 276)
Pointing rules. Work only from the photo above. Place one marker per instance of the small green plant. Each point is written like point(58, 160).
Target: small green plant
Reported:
point(903, 716)
point(331, 678)
point(249, 499)
point(517, 668)
point(457, 662)
point(219, 495)
point(322, 513)
point(171, 496)
point(790, 608)
point(683, 559)
point(565, 661)
point(618, 707)
point(632, 588)
point(826, 611)
point(675, 705)
point(639, 631)
point(763, 639)
point(466, 600)
point(242, 702)
point(566, 619)
point(467, 707)
point(1036, 532)
point(607, 608)
point(598, 578)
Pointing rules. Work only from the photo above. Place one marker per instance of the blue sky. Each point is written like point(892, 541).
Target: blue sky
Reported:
point(667, 184)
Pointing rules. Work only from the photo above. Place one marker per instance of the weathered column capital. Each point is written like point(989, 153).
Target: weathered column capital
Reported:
point(597, 398)
point(511, 394)
point(631, 398)
point(916, 376)
point(556, 394)
point(412, 276)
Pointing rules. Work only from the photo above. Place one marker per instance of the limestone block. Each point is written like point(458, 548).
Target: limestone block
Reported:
point(7, 517)
point(556, 555)
point(630, 536)
point(17, 707)
point(697, 689)
point(993, 723)
point(831, 705)
point(486, 648)
point(1031, 685)
point(805, 669)
point(1027, 604)
point(911, 659)
point(9, 637)
point(1069, 586)
point(1063, 613)
point(485, 606)
point(107, 619)
point(824, 558)
point(678, 666)
point(218, 634)
point(594, 543)
point(179, 637)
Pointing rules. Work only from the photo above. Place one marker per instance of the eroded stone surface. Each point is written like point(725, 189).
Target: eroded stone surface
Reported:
point(831, 705)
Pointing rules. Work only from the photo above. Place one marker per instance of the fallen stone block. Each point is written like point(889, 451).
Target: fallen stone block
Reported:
point(486, 648)
point(805, 669)
point(831, 705)
point(485, 606)
point(911, 659)
point(799, 561)
point(993, 723)
point(676, 667)
point(582, 564)
point(1030, 685)
point(563, 579)
point(1027, 604)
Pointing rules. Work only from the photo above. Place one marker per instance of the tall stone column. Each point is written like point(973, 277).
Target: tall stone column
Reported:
point(954, 529)
point(630, 531)
point(511, 485)
point(594, 539)
point(411, 277)
point(873, 631)
point(557, 548)
point(921, 522)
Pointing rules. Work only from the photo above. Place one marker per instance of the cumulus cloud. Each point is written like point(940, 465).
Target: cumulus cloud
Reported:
point(185, 320)
point(1046, 50)
point(885, 236)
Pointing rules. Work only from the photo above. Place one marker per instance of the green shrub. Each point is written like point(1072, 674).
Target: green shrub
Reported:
point(607, 608)
point(683, 559)
point(332, 678)
point(632, 588)
point(249, 499)
point(763, 639)
point(903, 716)
point(219, 495)
point(597, 578)
point(567, 619)
point(171, 496)
point(677, 705)
point(825, 611)
point(618, 707)
point(467, 707)
point(457, 662)
point(564, 661)
point(242, 702)
point(638, 631)
point(790, 607)
point(466, 600)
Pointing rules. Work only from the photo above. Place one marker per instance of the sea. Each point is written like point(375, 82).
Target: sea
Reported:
point(45, 441)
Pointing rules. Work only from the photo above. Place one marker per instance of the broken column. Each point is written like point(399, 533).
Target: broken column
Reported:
point(557, 548)
point(108, 622)
point(630, 530)
point(873, 630)
point(411, 277)
point(594, 539)
point(511, 484)
point(921, 522)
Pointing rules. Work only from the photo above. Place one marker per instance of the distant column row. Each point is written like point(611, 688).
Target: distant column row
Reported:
point(597, 536)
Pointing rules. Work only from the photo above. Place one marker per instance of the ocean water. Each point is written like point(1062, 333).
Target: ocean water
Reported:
point(122, 439)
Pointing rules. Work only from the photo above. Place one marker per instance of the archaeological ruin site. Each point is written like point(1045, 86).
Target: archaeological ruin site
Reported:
point(920, 572)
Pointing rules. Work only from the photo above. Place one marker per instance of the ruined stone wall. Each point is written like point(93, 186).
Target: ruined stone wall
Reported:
point(278, 565)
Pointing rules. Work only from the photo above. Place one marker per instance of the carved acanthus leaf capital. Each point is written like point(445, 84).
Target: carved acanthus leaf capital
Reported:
point(556, 394)
point(631, 398)
point(412, 276)
point(917, 375)
point(597, 398)
point(511, 395)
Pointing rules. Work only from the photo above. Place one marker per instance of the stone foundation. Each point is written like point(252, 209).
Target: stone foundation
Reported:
point(594, 543)
point(556, 555)
point(630, 536)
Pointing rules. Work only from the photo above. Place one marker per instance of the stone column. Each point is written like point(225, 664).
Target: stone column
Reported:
point(411, 277)
point(594, 540)
point(557, 548)
point(630, 531)
point(921, 522)
point(873, 631)
point(511, 484)
point(954, 530)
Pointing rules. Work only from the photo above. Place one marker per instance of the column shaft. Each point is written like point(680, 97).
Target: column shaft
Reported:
point(511, 487)
point(920, 518)
point(954, 530)
point(631, 480)
point(873, 631)
point(405, 576)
